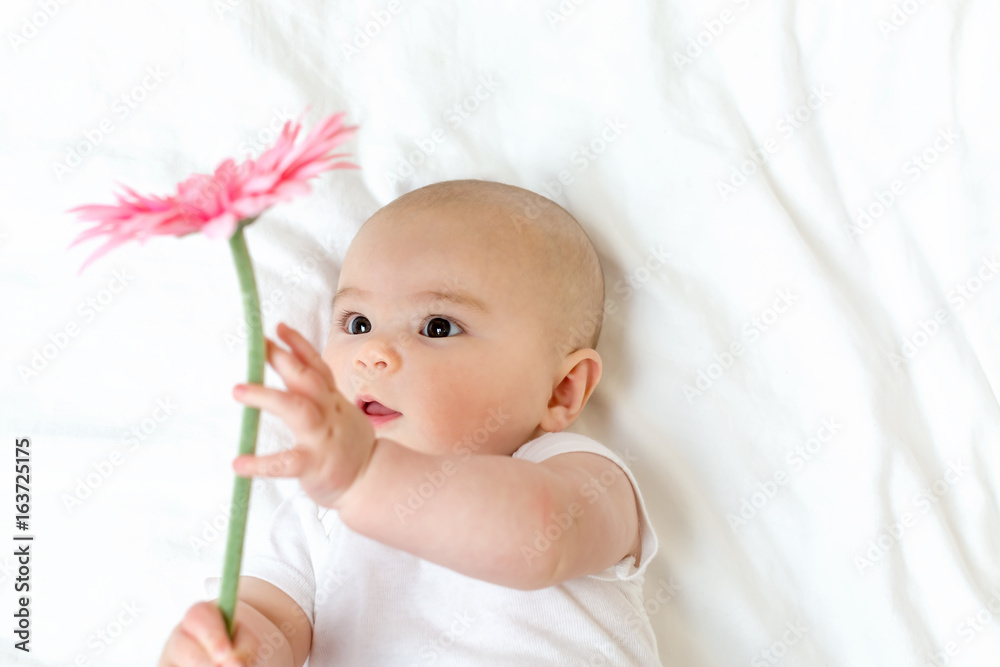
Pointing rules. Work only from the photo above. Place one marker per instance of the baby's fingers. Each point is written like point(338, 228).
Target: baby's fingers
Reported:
point(299, 375)
point(298, 411)
point(204, 625)
point(291, 463)
point(183, 650)
point(304, 350)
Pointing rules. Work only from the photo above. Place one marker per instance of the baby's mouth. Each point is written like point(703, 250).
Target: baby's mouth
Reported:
point(377, 413)
point(376, 408)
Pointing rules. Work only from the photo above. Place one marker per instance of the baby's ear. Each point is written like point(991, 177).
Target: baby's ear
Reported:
point(579, 374)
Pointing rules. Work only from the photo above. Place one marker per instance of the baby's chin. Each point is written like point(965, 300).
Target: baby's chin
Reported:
point(440, 445)
point(396, 431)
point(391, 431)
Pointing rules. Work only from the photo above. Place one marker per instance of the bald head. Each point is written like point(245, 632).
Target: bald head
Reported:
point(565, 270)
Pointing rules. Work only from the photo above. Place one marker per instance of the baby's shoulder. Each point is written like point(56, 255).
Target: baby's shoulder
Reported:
point(551, 445)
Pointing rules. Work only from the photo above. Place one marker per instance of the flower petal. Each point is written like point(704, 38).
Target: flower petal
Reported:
point(215, 203)
point(221, 227)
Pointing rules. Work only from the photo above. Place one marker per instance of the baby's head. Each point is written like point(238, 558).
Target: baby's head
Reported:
point(472, 309)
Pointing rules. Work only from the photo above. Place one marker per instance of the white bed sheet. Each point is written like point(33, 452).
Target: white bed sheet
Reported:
point(818, 500)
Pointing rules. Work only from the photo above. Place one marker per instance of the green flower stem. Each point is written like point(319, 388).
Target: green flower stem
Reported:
point(248, 432)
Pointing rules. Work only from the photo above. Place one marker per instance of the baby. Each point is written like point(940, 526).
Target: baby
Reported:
point(464, 525)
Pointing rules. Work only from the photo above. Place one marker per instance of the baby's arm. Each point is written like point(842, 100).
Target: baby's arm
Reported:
point(283, 612)
point(508, 521)
point(271, 631)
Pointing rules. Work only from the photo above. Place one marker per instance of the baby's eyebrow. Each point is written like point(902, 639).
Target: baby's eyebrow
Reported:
point(350, 291)
point(457, 298)
point(448, 296)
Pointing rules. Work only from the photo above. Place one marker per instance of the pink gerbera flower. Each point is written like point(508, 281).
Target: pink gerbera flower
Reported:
point(221, 205)
point(214, 204)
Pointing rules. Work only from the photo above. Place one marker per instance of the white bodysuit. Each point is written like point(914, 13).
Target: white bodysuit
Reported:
point(371, 605)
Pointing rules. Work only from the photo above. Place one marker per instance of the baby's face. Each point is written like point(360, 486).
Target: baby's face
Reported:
point(438, 318)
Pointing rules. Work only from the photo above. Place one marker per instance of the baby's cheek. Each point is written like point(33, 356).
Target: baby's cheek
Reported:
point(340, 366)
point(495, 418)
point(453, 403)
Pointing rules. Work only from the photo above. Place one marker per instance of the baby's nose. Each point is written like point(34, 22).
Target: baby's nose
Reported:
point(376, 355)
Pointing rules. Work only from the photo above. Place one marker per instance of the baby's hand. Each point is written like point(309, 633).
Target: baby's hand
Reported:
point(201, 639)
point(333, 437)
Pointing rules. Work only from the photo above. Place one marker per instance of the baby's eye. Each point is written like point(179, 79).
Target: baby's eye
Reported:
point(439, 327)
point(358, 325)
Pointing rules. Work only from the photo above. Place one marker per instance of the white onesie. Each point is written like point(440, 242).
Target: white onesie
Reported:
point(375, 606)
